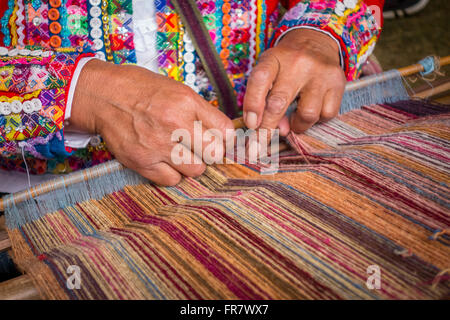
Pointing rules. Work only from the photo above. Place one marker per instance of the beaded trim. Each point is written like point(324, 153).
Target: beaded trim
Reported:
point(98, 22)
point(16, 106)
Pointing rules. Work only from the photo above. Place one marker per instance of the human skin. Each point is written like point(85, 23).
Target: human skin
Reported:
point(136, 110)
point(304, 64)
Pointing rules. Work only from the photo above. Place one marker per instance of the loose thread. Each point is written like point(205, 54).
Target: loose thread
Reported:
point(404, 253)
point(439, 233)
point(437, 279)
point(298, 144)
point(26, 166)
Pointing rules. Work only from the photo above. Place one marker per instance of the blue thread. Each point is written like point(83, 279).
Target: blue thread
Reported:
point(428, 65)
point(5, 21)
point(36, 4)
point(65, 32)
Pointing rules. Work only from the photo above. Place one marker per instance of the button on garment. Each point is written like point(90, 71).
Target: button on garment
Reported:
point(53, 14)
point(55, 41)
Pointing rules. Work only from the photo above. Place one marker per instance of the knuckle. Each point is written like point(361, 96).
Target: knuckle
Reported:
point(253, 103)
point(265, 56)
point(196, 171)
point(187, 98)
point(224, 123)
point(310, 115)
point(336, 77)
point(260, 74)
point(303, 60)
point(277, 102)
point(172, 180)
point(328, 114)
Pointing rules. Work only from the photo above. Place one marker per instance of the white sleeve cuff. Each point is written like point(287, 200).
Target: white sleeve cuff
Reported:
point(76, 140)
point(341, 58)
point(73, 85)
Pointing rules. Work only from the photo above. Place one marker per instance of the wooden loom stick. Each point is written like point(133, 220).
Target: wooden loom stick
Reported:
point(433, 91)
point(114, 165)
point(20, 288)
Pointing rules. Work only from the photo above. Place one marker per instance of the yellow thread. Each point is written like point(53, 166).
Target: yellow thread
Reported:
point(180, 49)
point(27, 96)
point(107, 42)
point(258, 27)
point(14, 26)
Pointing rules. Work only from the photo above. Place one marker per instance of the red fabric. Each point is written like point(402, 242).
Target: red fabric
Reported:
point(380, 4)
point(3, 7)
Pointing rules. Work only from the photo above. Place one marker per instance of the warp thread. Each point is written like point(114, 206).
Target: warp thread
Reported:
point(96, 188)
point(386, 87)
point(232, 234)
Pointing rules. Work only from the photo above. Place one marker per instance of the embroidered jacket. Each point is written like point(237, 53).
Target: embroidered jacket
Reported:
point(41, 42)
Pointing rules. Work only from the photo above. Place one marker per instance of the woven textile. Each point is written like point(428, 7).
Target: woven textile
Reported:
point(369, 188)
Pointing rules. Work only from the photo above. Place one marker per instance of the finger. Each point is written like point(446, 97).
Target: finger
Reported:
point(284, 126)
point(283, 92)
point(309, 109)
point(161, 173)
point(206, 144)
point(331, 103)
point(212, 118)
point(187, 163)
point(258, 86)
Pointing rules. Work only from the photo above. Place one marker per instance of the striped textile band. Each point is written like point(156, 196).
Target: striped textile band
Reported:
point(193, 21)
point(369, 196)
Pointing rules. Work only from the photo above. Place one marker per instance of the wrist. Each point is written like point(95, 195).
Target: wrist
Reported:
point(96, 92)
point(312, 40)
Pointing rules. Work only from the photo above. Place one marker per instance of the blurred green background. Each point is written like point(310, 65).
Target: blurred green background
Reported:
point(404, 41)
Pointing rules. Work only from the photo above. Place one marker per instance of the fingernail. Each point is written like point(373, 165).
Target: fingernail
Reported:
point(251, 120)
point(275, 104)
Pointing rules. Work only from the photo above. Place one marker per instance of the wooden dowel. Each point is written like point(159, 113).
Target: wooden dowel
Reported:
point(404, 72)
point(416, 68)
point(238, 123)
point(433, 91)
point(20, 288)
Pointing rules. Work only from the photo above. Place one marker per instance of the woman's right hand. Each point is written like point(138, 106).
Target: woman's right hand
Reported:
point(136, 111)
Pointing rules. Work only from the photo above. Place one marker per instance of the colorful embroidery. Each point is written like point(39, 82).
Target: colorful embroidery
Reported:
point(239, 29)
point(353, 25)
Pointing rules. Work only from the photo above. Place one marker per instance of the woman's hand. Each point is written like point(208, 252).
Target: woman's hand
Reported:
point(136, 111)
point(304, 64)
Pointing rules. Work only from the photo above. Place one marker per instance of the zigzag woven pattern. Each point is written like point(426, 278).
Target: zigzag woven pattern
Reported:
point(369, 189)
